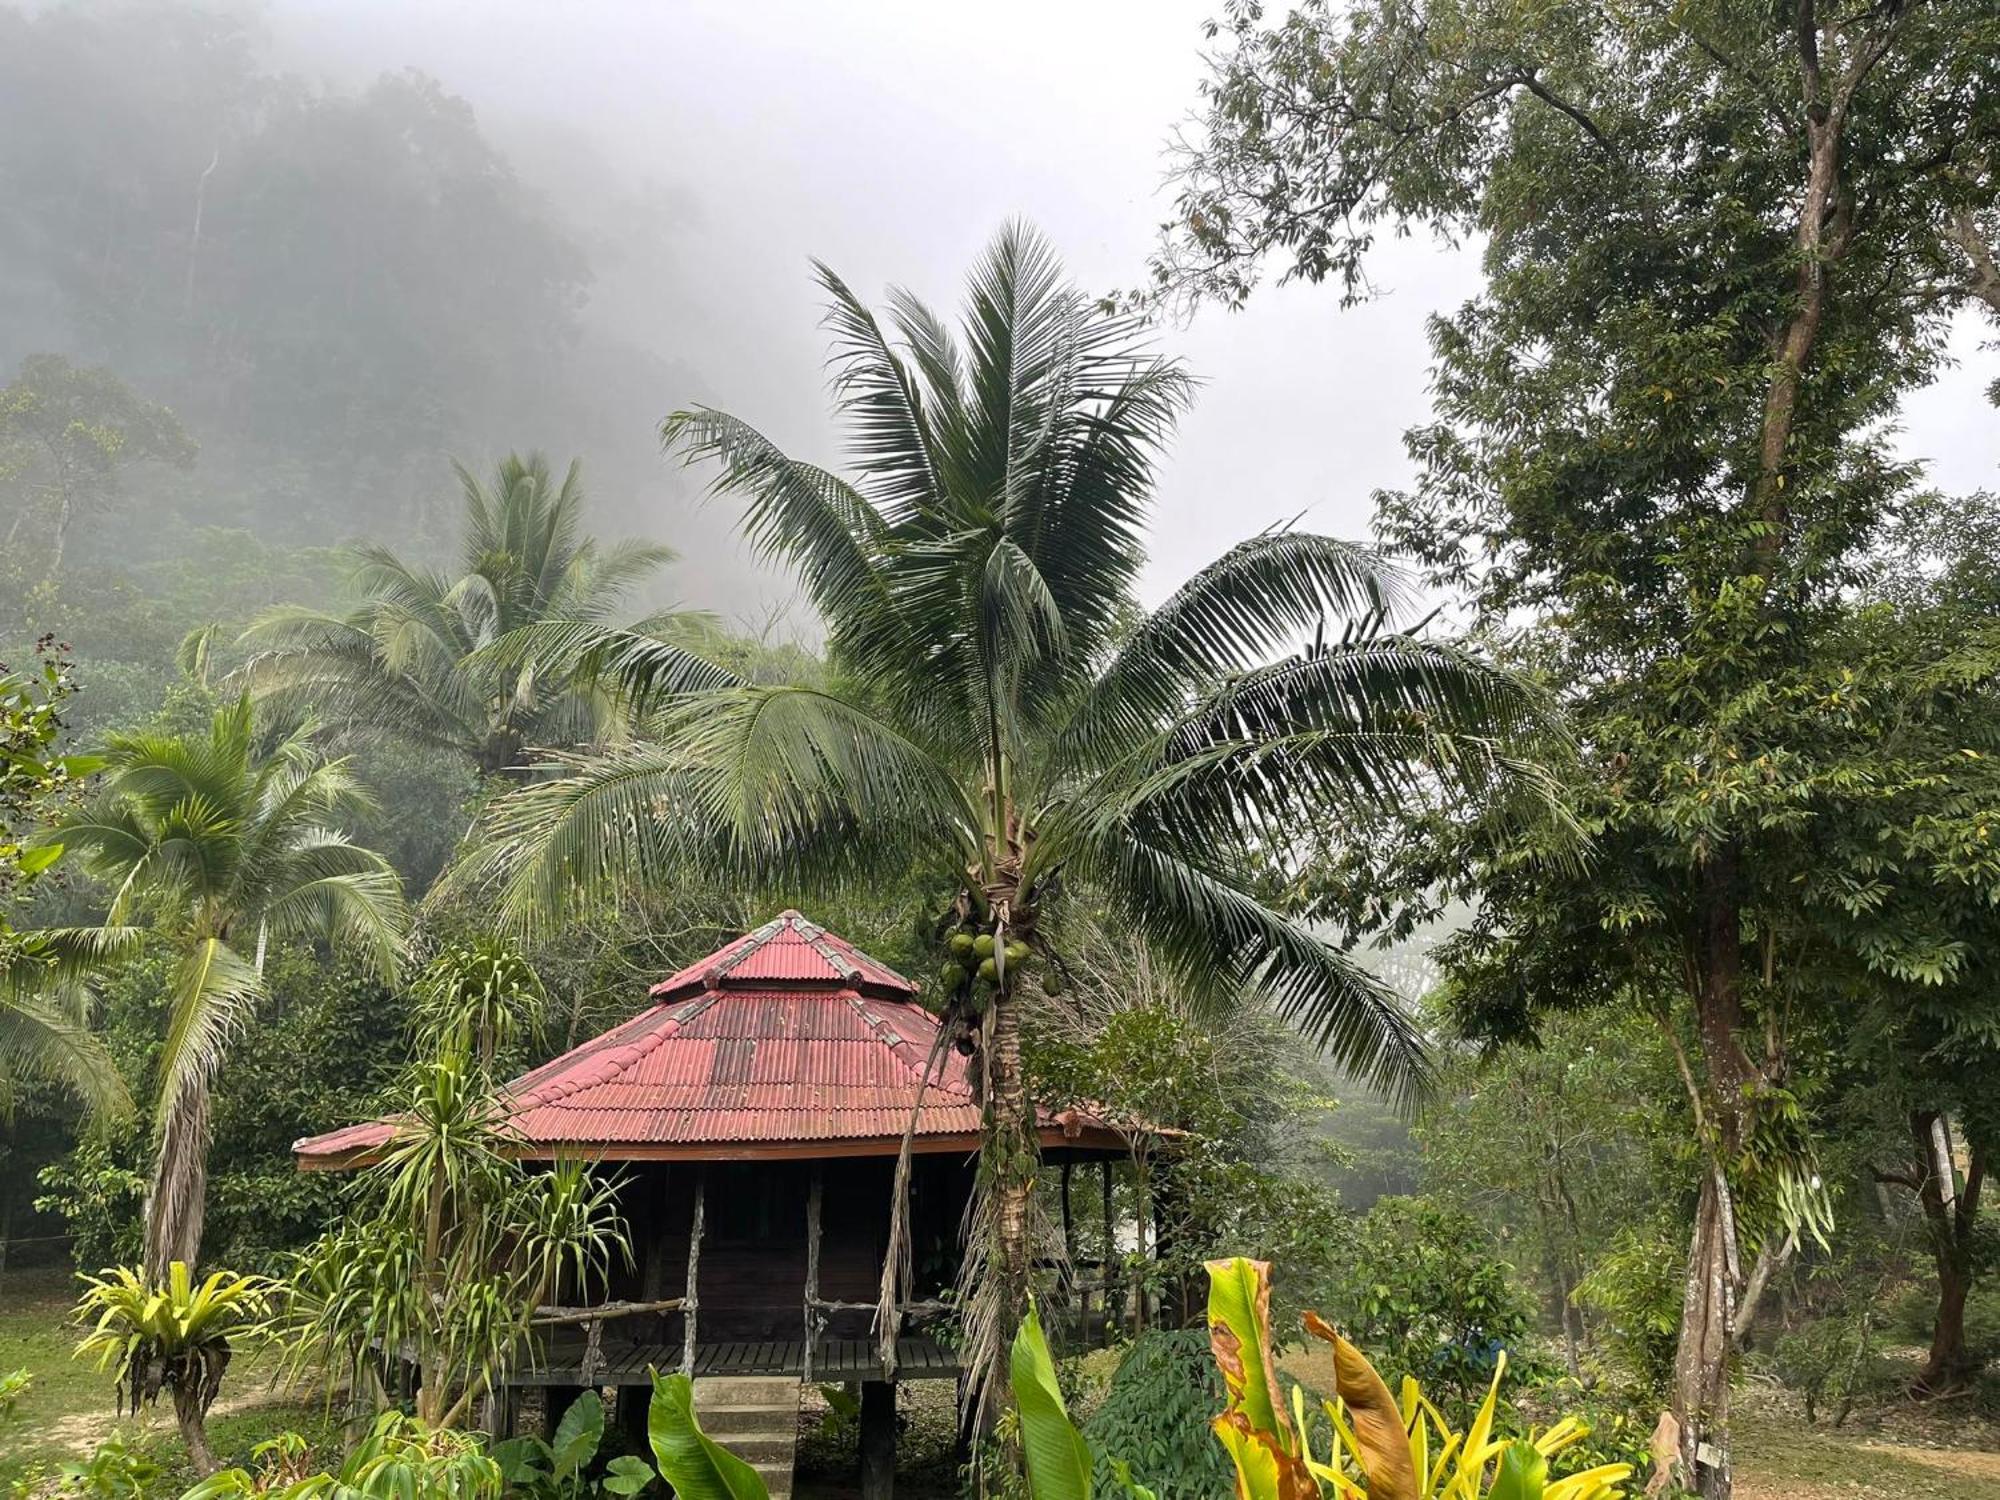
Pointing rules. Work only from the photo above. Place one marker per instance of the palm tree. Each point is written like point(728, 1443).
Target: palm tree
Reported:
point(1004, 714)
point(403, 662)
point(224, 850)
point(45, 1006)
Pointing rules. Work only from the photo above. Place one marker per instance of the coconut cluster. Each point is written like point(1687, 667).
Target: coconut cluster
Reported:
point(974, 965)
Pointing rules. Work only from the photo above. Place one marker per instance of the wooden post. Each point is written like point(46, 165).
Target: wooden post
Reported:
point(813, 1194)
point(556, 1399)
point(1111, 1307)
point(1069, 1219)
point(689, 1295)
point(878, 1439)
point(1079, 1306)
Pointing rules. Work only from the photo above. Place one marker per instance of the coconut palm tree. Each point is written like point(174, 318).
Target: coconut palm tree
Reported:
point(45, 1008)
point(402, 662)
point(1004, 714)
point(223, 850)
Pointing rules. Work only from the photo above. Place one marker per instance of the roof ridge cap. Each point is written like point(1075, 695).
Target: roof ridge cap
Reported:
point(878, 1023)
point(751, 942)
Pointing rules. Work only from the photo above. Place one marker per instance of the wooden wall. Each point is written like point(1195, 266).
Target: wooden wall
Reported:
point(751, 1277)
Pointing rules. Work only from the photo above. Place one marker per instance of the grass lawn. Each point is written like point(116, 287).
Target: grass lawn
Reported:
point(1779, 1458)
point(70, 1407)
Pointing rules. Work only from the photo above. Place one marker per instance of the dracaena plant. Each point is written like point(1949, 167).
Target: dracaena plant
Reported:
point(1002, 713)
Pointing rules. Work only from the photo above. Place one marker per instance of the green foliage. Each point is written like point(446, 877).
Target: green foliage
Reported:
point(1058, 1460)
point(1422, 1287)
point(1244, 1167)
point(1833, 1361)
point(100, 1196)
point(173, 1336)
point(448, 1248)
point(1155, 1415)
point(226, 845)
point(401, 1456)
point(44, 995)
point(65, 434)
point(694, 1464)
point(477, 999)
point(1634, 1291)
point(555, 1468)
point(13, 1386)
point(115, 1470)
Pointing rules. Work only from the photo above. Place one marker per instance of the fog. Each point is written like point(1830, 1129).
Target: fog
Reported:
point(681, 164)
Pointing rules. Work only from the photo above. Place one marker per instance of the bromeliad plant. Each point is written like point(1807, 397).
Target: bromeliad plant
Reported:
point(175, 1337)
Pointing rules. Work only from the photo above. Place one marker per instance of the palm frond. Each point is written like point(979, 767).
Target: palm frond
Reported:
point(42, 1039)
point(1220, 939)
point(641, 663)
point(795, 513)
point(891, 440)
point(767, 785)
point(210, 997)
point(1261, 596)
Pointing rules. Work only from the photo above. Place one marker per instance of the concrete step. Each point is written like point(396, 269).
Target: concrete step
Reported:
point(755, 1417)
point(746, 1390)
point(718, 1420)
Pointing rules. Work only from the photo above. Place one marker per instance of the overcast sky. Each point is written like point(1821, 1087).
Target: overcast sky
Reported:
point(710, 148)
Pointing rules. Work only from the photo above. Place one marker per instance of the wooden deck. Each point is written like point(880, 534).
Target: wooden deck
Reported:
point(625, 1362)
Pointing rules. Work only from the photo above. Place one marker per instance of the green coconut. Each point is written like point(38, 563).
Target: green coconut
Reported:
point(961, 944)
point(1016, 952)
point(951, 974)
point(988, 970)
point(983, 945)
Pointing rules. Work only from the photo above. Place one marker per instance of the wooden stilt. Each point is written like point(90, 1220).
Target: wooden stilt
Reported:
point(1111, 1278)
point(878, 1439)
point(691, 1296)
point(634, 1402)
point(556, 1399)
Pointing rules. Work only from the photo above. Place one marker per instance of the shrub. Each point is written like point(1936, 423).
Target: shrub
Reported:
point(1635, 1293)
point(1423, 1292)
point(1832, 1361)
point(1156, 1413)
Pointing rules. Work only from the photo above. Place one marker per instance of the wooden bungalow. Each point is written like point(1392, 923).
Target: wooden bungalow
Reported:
point(755, 1112)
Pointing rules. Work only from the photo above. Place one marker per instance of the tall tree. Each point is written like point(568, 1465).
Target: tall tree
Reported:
point(407, 662)
point(1722, 240)
point(224, 849)
point(1003, 715)
point(65, 434)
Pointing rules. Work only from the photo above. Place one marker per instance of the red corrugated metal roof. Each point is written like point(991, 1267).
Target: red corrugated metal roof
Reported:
point(787, 1037)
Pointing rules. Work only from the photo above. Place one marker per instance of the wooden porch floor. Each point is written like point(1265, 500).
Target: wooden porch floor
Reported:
point(628, 1362)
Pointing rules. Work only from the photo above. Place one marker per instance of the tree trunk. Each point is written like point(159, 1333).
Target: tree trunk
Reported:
point(194, 1430)
point(177, 1204)
point(1700, 1392)
point(1009, 1165)
point(1950, 1216)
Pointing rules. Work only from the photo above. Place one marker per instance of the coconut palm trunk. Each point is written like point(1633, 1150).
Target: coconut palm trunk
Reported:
point(176, 1203)
point(1004, 716)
